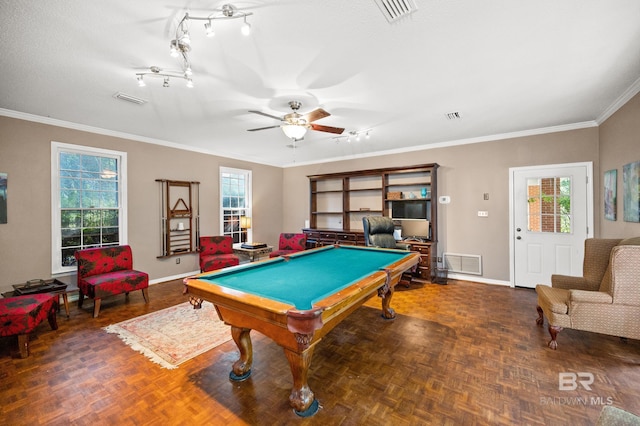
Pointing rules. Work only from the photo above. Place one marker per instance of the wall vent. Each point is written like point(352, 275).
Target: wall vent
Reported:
point(129, 98)
point(394, 10)
point(463, 263)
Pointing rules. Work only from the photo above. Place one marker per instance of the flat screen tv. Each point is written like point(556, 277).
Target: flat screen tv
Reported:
point(409, 209)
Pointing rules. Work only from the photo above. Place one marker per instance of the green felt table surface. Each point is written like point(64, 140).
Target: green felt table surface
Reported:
point(308, 276)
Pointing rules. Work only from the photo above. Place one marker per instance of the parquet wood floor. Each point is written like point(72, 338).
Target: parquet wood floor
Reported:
point(460, 354)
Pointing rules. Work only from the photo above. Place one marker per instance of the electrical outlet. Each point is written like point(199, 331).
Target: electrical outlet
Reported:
point(177, 260)
point(439, 260)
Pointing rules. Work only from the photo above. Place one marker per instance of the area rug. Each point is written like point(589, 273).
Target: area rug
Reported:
point(174, 335)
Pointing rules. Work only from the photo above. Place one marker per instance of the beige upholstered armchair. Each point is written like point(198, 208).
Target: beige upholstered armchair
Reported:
point(606, 299)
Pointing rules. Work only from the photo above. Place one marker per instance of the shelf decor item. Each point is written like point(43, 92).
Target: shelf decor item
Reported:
point(394, 195)
point(423, 192)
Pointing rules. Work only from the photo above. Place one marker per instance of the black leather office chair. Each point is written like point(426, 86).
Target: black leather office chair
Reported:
point(378, 232)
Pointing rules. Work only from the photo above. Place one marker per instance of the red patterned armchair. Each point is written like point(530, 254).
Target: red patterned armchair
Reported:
point(108, 271)
point(290, 243)
point(217, 253)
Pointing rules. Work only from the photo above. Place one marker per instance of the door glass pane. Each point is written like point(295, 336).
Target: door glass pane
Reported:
point(549, 205)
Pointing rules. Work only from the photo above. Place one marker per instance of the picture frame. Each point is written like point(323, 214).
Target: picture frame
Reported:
point(3, 198)
point(631, 191)
point(611, 194)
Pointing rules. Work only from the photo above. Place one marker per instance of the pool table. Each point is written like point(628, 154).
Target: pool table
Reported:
point(295, 300)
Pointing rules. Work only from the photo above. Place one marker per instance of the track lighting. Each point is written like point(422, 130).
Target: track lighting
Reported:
point(353, 135)
point(167, 75)
point(180, 46)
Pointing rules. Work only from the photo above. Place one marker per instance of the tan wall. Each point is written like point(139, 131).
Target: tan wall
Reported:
point(466, 172)
point(281, 196)
point(619, 145)
point(25, 154)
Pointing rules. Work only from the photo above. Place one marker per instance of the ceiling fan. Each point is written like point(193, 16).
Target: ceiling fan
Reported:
point(295, 125)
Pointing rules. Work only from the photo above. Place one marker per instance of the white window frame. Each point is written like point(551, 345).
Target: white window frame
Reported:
point(56, 234)
point(248, 196)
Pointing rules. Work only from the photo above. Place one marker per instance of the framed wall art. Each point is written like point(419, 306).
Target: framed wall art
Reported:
point(3, 198)
point(631, 191)
point(610, 194)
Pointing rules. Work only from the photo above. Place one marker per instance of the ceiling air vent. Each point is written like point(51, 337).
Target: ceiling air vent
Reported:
point(129, 98)
point(453, 115)
point(394, 10)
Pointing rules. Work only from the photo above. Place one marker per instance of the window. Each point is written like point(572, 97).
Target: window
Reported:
point(550, 205)
point(88, 197)
point(235, 202)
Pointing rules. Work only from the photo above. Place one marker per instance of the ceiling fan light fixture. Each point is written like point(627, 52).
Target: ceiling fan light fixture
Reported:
point(189, 83)
point(141, 82)
point(294, 131)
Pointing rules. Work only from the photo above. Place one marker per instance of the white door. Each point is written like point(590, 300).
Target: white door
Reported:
point(552, 215)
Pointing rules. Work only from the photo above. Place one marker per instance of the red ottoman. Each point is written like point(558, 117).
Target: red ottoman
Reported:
point(21, 315)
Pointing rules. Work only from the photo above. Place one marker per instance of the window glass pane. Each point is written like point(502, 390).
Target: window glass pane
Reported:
point(89, 199)
point(109, 235)
point(71, 237)
point(110, 218)
point(69, 183)
point(109, 199)
point(235, 203)
point(68, 258)
point(69, 199)
point(549, 205)
point(90, 163)
point(90, 237)
point(70, 219)
point(69, 161)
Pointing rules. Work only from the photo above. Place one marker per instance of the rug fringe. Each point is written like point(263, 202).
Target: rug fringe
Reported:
point(131, 341)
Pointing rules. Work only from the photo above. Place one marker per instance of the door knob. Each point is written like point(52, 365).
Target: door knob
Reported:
point(518, 237)
point(518, 229)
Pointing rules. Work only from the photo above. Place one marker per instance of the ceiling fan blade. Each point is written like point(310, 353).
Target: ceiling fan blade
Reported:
point(316, 115)
point(267, 115)
point(329, 129)
point(262, 128)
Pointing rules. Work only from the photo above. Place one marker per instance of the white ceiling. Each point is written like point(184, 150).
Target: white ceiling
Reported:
point(507, 66)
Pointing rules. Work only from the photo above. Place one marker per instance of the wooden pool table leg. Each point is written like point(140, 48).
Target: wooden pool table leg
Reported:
point(242, 367)
point(301, 398)
point(386, 293)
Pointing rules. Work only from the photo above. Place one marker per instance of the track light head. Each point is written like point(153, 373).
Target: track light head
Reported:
point(246, 28)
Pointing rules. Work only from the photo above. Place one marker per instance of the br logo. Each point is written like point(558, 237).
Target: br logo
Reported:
point(570, 381)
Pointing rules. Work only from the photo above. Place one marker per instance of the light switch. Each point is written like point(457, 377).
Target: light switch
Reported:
point(483, 213)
